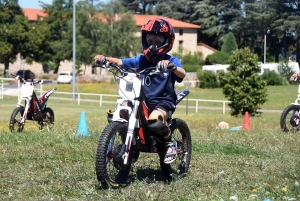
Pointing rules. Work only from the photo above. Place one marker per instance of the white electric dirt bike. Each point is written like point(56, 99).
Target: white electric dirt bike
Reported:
point(290, 116)
point(128, 134)
point(29, 107)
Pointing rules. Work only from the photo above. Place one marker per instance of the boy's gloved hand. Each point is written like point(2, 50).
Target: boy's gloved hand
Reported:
point(162, 65)
point(100, 59)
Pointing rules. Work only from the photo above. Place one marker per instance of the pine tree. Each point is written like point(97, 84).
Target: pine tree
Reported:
point(229, 44)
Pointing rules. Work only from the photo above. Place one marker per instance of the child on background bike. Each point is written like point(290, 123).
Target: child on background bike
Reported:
point(157, 40)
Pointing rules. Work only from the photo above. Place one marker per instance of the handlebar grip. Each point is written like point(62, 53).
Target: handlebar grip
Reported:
point(170, 65)
point(105, 65)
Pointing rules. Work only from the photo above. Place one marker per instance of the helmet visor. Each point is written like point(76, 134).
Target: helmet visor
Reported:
point(154, 39)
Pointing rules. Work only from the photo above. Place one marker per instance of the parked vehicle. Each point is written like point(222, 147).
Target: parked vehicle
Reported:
point(290, 117)
point(127, 133)
point(64, 77)
point(29, 107)
point(26, 74)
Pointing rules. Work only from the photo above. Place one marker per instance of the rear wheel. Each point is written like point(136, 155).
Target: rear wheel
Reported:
point(47, 119)
point(180, 133)
point(15, 120)
point(110, 170)
point(290, 119)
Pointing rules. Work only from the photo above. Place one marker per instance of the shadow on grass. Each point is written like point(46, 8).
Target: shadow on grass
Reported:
point(147, 176)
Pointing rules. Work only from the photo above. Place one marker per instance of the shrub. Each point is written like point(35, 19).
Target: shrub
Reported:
point(285, 70)
point(217, 58)
point(242, 84)
point(191, 68)
point(208, 79)
point(272, 78)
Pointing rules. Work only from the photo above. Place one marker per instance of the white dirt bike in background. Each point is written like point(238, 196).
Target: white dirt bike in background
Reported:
point(29, 107)
point(290, 117)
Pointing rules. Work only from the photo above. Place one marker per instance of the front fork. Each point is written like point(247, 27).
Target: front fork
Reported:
point(27, 105)
point(131, 125)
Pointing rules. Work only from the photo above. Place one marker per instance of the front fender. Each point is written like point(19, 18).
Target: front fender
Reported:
point(121, 109)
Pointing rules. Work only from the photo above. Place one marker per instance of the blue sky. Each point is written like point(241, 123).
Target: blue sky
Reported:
point(33, 3)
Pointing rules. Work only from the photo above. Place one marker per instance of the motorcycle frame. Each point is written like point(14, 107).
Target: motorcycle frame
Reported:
point(298, 97)
point(131, 97)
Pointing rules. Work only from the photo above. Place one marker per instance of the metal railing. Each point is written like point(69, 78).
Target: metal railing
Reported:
point(79, 98)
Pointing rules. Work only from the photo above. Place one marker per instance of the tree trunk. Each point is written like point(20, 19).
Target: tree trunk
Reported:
point(57, 67)
point(6, 69)
point(298, 50)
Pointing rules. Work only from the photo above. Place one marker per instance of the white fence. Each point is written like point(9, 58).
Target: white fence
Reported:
point(190, 103)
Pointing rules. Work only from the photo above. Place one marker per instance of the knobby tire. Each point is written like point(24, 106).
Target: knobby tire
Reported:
point(16, 116)
point(48, 116)
point(108, 173)
point(288, 117)
point(180, 133)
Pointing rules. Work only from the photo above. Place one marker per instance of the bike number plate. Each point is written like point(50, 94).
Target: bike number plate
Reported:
point(26, 89)
point(129, 86)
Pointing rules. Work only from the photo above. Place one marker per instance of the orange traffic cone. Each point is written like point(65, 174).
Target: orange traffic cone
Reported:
point(246, 125)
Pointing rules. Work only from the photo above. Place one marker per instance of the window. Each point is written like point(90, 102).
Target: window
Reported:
point(181, 42)
point(180, 32)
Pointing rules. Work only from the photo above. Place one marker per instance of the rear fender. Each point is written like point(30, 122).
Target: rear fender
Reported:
point(181, 95)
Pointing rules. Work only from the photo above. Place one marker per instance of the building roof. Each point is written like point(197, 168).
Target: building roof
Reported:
point(140, 20)
point(33, 13)
point(204, 45)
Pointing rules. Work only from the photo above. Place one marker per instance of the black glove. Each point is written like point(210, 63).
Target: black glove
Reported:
point(100, 59)
point(162, 65)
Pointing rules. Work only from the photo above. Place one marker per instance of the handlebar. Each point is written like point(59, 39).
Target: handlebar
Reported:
point(17, 77)
point(150, 70)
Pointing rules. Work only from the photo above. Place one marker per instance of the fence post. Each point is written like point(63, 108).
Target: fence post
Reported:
point(2, 89)
point(100, 100)
point(19, 88)
point(78, 98)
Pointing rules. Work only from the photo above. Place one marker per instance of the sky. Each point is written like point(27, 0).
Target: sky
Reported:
point(33, 3)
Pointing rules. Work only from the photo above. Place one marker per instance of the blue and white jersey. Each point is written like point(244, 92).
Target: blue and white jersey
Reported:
point(159, 87)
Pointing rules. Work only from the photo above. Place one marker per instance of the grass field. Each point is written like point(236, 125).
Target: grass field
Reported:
point(257, 164)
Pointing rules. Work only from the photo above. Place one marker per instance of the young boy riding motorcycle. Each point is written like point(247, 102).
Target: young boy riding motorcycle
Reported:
point(157, 40)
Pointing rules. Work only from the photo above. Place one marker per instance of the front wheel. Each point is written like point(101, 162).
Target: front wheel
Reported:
point(290, 119)
point(180, 133)
point(110, 170)
point(15, 120)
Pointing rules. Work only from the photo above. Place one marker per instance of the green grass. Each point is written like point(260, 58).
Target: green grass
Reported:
point(260, 163)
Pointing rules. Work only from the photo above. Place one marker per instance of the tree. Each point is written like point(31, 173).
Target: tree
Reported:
point(242, 84)
point(229, 44)
point(139, 6)
point(59, 42)
point(14, 29)
point(117, 38)
point(174, 9)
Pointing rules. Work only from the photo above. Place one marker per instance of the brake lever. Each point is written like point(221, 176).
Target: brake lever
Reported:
point(153, 72)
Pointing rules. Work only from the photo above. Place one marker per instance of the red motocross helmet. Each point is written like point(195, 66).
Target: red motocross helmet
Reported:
point(157, 26)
